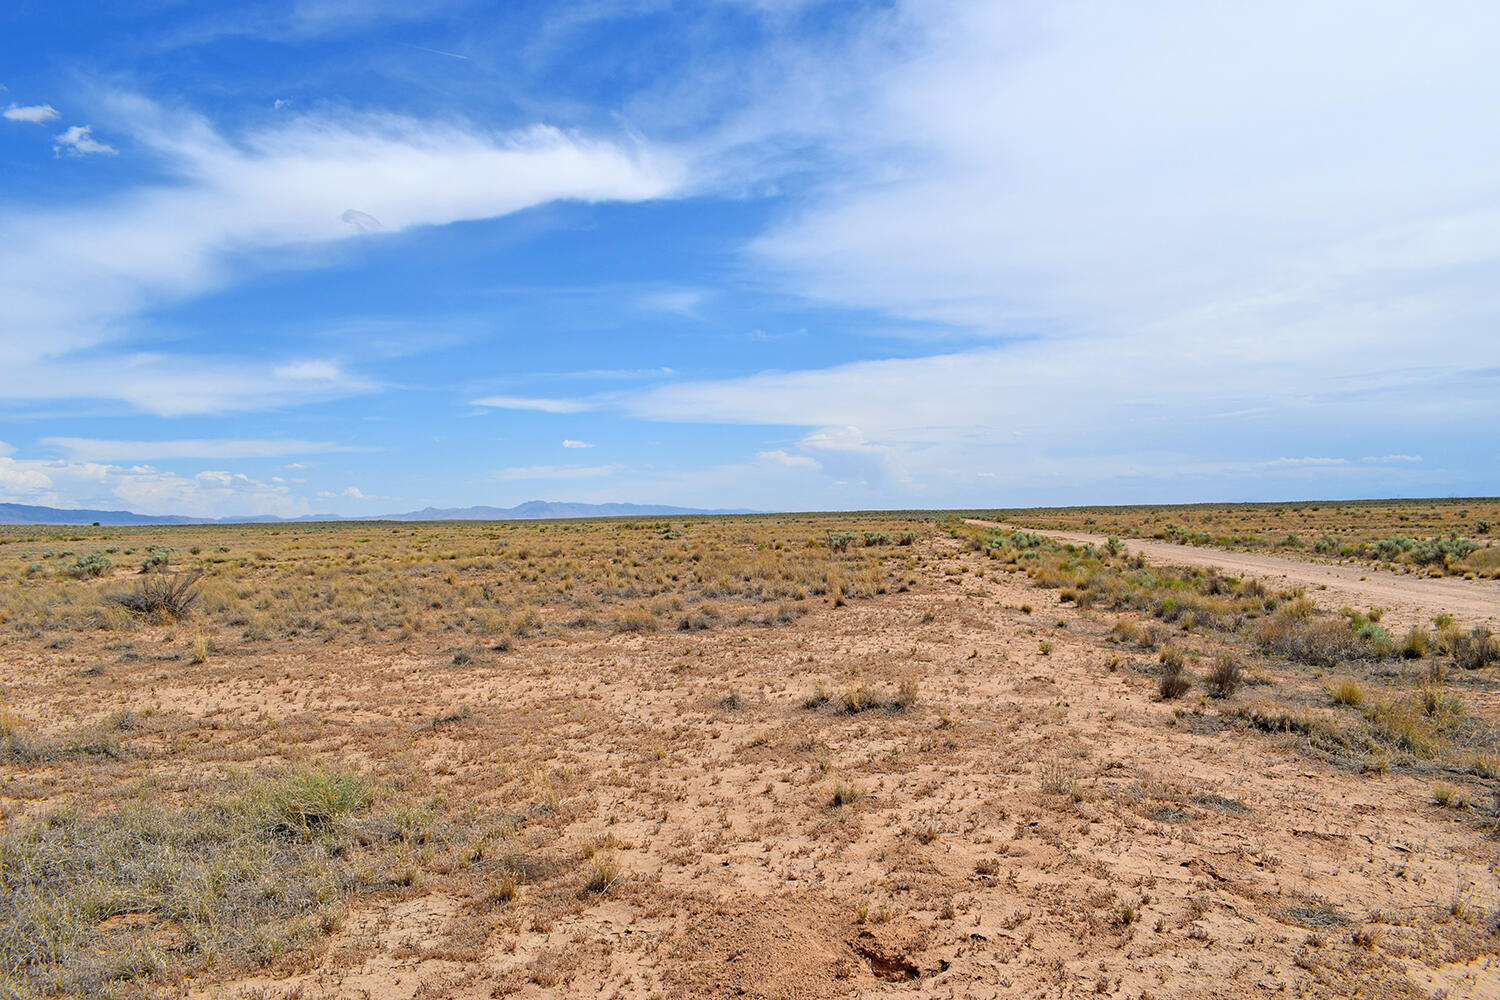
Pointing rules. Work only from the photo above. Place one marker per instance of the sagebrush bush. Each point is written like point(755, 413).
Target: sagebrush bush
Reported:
point(1323, 642)
point(1476, 650)
point(1224, 676)
point(1173, 682)
point(93, 564)
point(162, 596)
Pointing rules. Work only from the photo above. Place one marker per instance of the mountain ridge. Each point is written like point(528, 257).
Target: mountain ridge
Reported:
point(531, 510)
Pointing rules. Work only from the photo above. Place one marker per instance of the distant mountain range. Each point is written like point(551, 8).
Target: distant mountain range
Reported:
point(532, 510)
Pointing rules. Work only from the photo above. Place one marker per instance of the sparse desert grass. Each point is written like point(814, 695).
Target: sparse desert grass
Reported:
point(141, 892)
point(1443, 536)
point(382, 582)
point(1173, 682)
point(1477, 650)
point(1347, 691)
point(508, 752)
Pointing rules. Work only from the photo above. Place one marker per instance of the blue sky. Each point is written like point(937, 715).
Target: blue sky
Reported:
point(365, 256)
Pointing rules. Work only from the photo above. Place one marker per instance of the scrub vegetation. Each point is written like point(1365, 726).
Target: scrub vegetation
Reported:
point(781, 755)
point(1432, 537)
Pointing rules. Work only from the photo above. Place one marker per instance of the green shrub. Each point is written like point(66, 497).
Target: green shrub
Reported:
point(93, 564)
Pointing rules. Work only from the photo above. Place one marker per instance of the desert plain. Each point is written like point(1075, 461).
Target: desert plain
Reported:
point(916, 754)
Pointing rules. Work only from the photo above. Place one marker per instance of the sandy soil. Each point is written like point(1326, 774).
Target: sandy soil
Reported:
point(1410, 598)
point(1037, 824)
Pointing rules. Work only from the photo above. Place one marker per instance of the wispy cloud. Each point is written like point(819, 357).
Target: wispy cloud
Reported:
point(1387, 459)
point(681, 301)
point(614, 373)
point(34, 114)
point(1304, 462)
point(570, 443)
point(528, 472)
point(1175, 262)
point(74, 278)
point(166, 385)
point(787, 460)
point(97, 450)
point(540, 405)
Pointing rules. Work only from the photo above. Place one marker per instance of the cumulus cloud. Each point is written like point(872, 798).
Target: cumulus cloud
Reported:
point(144, 489)
point(78, 140)
point(34, 114)
point(352, 492)
point(21, 478)
point(570, 443)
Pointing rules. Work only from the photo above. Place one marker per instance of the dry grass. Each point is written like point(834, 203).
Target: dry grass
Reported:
point(1224, 676)
point(577, 756)
point(140, 891)
point(1446, 536)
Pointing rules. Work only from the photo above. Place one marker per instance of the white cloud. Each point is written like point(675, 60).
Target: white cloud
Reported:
point(96, 450)
point(21, 478)
point(74, 278)
point(78, 140)
point(353, 492)
point(309, 371)
point(555, 472)
point(1164, 215)
point(161, 385)
point(570, 443)
point(1039, 165)
point(681, 301)
point(1382, 459)
point(363, 221)
point(617, 373)
point(34, 114)
point(1075, 411)
point(783, 458)
point(143, 489)
point(532, 403)
point(1294, 463)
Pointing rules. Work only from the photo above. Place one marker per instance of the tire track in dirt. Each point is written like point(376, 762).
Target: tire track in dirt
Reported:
point(1410, 600)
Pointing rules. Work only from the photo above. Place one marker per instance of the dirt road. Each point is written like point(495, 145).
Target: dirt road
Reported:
point(1409, 600)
